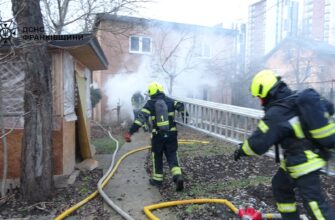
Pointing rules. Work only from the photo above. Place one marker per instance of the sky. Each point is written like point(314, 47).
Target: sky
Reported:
point(209, 12)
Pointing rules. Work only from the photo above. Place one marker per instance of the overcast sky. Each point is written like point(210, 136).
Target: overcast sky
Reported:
point(209, 12)
point(201, 12)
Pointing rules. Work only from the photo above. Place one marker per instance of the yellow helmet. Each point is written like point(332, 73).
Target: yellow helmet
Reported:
point(262, 83)
point(154, 88)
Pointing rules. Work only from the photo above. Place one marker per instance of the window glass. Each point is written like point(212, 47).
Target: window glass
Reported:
point(140, 44)
point(146, 44)
point(134, 44)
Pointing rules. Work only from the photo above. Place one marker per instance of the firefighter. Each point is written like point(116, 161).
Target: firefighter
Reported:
point(161, 142)
point(301, 165)
point(137, 101)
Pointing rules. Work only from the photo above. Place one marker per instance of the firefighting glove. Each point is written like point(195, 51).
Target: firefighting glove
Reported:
point(239, 152)
point(145, 127)
point(127, 137)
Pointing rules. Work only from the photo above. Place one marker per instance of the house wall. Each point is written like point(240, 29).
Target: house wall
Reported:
point(69, 147)
point(322, 72)
point(14, 141)
point(115, 44)
point(63, 135)
point(62, 61)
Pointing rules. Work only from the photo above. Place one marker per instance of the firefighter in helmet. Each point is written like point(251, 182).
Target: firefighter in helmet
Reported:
point(301, 163)
point(137, 101)
point(161, 109)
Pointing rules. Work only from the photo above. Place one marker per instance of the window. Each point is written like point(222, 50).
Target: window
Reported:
point(203, 50)
point(138, 44)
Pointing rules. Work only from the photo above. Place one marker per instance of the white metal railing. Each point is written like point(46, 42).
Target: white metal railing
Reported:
point(227, 122)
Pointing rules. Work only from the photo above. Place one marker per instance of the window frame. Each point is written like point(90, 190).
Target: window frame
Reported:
point(201, 47)
point(140, 44)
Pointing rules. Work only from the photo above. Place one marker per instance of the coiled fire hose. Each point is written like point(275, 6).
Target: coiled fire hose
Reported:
point(245, 214)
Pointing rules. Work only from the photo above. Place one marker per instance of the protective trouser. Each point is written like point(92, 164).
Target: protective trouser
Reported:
point(309, 189)
point(169, 147)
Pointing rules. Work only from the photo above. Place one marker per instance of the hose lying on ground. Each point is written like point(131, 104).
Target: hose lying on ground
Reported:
point(100, 186)
point(104, 180)
point(102, 183)
point(147, 209)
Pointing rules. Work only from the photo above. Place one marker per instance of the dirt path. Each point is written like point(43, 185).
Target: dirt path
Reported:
point(129, 188)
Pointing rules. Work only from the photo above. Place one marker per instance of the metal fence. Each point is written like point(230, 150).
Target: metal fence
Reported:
point(228, 122)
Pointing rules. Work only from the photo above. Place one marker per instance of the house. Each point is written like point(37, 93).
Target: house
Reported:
point(73, 62)
point(189, 60)
point(304, 63)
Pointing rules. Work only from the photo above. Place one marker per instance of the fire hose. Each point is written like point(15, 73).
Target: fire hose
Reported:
point(245, 214)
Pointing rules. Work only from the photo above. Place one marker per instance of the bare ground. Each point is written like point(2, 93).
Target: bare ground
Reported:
point(210, 172)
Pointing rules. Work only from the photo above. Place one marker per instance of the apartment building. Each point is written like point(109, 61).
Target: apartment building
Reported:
point(269, 22)
point(255, 45)
point(319, 20)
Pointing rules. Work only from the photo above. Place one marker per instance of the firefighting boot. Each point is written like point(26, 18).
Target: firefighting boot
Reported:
point(179, 181)
point(155, 183)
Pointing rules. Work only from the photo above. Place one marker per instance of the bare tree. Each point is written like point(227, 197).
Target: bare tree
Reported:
point(174, 56)
point(61, 13)
point(301, 64)
point(189, 52)
point(4, 144)
point(36, 157)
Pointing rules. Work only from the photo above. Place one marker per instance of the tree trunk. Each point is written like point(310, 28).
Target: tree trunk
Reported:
point(4, 144)
point(36, 156)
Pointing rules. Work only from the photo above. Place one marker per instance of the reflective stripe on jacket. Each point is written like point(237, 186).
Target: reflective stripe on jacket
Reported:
point(280, 125)
point(148, 110)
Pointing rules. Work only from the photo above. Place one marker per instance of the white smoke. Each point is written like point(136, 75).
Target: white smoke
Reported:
point(192, 82)
point(120, 87)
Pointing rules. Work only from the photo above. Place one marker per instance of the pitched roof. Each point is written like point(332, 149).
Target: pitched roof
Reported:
point(319, 47)
point(154, 22)
point(83, 47)
point(86, 49)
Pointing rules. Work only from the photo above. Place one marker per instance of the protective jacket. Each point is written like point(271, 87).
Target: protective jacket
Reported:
point(161, 143)
point(289, 118)
point(148, 110)
point(281, 126)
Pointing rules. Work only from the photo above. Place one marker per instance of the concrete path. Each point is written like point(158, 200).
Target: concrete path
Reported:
point(129, 188)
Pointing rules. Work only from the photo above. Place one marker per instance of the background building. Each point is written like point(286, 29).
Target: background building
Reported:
point(319, 20)
point(269, 22)
point(189, 60)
